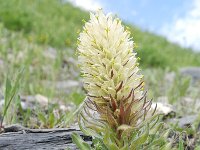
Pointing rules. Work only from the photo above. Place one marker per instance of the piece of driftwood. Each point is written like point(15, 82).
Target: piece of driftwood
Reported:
point(16, 137)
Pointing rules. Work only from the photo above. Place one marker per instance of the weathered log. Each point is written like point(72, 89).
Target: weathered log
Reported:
point(16, 137)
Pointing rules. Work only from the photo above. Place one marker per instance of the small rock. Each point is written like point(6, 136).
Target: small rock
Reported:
point(41, 100)
point(63, 108)
point(163, 108)
point(185, 121)
point(29, 102)
point(68, 107)
point(24, 105)
point(193, 72)
point(28, 98)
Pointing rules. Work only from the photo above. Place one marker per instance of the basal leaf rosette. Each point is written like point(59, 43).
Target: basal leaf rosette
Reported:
point(115, 95)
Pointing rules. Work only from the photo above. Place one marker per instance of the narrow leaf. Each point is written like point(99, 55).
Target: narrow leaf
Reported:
point(82, 145)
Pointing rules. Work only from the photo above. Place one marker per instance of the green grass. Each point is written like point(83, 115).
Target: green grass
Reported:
point(155, 51)
point(41, 74)
point(50, 22)
point(46, 22)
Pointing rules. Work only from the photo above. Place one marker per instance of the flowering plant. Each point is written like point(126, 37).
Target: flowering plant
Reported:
point(116, 110)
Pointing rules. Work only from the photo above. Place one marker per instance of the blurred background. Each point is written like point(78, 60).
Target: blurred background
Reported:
point(40, 36)
point(177, 20)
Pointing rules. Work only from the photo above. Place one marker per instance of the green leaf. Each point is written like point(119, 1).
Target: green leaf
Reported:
point(140, 140)
point(82, 145)
point(157, 142)
point(110, 140)
point(112, 146)
point(167, 146)
point(8, 90)
point(42, 118)
point(98, 144)
point(58, 121)
point(156, 128)
point(125, 147)
point(180, 145)
point(74, 113)
point(184, 86)
point(10, 95)
point(51, 120)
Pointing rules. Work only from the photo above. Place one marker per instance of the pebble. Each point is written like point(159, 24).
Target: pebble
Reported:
point(42, 100)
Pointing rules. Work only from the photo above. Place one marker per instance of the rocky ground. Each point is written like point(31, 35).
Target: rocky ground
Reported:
point(179, 102)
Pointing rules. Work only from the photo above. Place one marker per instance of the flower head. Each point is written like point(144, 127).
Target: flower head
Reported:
point(110, 75)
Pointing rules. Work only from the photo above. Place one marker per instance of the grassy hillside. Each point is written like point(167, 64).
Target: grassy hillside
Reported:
point(156, 51)
point(50, 22)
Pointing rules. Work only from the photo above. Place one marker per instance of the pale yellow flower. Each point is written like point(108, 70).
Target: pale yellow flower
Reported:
point(110, 72)
point(107, 59)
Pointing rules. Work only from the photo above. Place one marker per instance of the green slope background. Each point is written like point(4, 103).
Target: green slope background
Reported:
point(57, 24)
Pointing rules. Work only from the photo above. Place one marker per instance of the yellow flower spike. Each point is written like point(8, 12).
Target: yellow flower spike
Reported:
point(115, 91)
